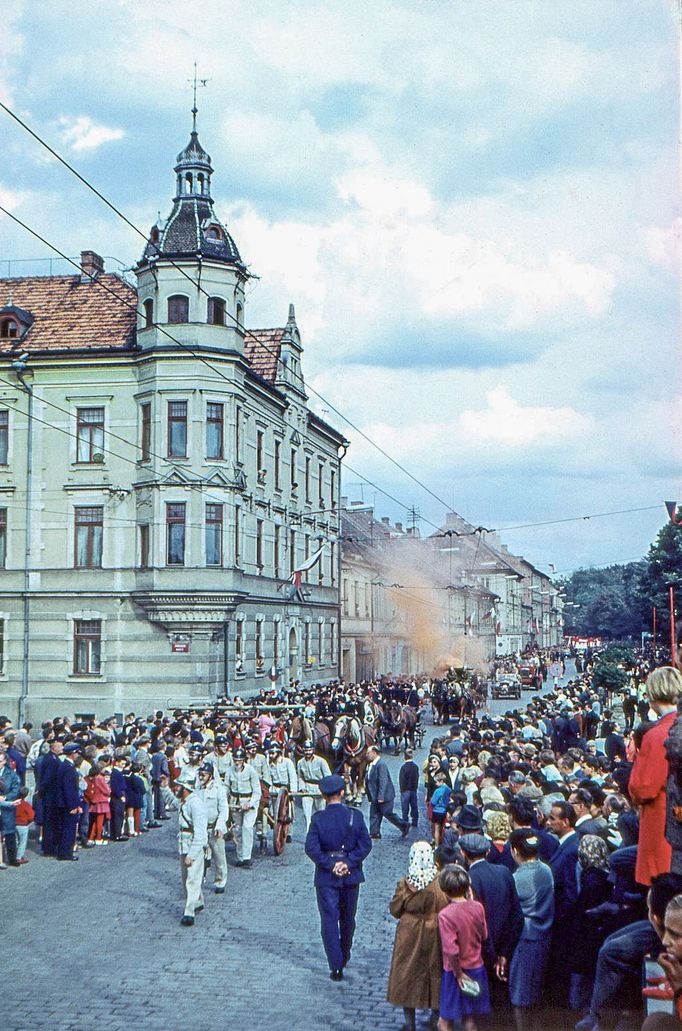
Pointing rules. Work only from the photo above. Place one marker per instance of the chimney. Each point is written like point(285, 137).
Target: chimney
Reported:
point(92, 265)
point(385, 520)
point(399, 527)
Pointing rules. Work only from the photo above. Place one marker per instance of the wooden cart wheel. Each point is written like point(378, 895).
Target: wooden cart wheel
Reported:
point(282, 821)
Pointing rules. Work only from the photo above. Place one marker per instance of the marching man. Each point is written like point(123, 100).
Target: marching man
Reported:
point(192, 840)
point(243, 789)
point(212, 792)
point(311, 769)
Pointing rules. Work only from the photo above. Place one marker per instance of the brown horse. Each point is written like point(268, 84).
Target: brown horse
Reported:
point(351, 741)
point(300, 733)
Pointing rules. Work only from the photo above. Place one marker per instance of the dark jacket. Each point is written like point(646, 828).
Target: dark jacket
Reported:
point(379, 784)
point(159, 767)
point(49, 776)
point(118, 784)
point(333, 830)
point(564, 867)
point(494, 887)
point(408, 777)
point(68, 792)
point(135, 791)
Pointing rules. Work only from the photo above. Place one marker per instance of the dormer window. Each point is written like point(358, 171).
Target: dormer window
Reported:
point(154, 237)
point(9, 329)
point(178, 308)
point(214, 233)
point(216, 311)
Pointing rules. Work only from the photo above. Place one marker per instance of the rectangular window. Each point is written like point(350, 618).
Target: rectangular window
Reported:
point(332, 564)
point(294, 481)
point(259, 452)
point(292, 551)
point(346, 605)
point(214, 535)
point(90, 435)
point(278, 449)
point(88, 537)
point(275, 556)
point(260, 658)
point(275, 646)
point(320, 643)
point(214, 430)
point(2, 646)
point(307, 480)
point(238, 434)
point(87, 646)
point(144, 545)
point(259, 544)
point(306, 555)
point(320, 569)
point(3, 538)
point(4, 436)
point(306, 644)
point(175, 533)
point(320, 483)
point(239, 648)
point(332, 489)
point(237, 536)
point(146, 424)
point(177, 429)
point(332, 644)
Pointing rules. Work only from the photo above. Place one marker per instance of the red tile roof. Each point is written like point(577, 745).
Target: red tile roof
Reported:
point(262, 349)
point(71, 315)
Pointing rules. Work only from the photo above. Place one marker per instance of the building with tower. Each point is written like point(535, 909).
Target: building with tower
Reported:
point(161, 478)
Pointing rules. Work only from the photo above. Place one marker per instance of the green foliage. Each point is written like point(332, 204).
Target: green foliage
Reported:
point(618, 654)
point(610, 676)
point(661, 568)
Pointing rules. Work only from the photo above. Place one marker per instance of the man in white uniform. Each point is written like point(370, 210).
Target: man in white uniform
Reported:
point(192, 840)
point(311, 769)
point(243, 791)
point(212, 792)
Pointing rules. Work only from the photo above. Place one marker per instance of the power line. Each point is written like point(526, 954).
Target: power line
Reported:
point(198, 286)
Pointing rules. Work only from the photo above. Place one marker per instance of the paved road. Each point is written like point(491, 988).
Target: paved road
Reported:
point(98, 943)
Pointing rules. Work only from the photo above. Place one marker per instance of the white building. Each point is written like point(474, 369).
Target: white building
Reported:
point(161, 475)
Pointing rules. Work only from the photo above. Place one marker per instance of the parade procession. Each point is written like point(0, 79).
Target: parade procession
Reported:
point(340, 579)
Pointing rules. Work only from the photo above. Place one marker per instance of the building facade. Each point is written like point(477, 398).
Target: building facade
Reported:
point(161, 476)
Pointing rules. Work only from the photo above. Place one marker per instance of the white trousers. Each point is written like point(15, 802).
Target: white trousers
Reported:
point(311, 804)
point(218, 860)
point(243, 824)
point(192, 877)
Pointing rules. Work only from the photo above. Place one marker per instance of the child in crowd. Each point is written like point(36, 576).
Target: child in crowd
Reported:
point(117, 799)
point(464, 990)
point(439, 807)
point(135, 792)
point(98, 794)
point(24, 815)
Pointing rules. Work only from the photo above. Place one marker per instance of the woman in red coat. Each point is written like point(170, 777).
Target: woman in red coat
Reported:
point(650, 774)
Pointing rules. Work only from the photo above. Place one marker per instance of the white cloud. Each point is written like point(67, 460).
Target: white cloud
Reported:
point(80, 133)
point(508, 424)
point(664, 245)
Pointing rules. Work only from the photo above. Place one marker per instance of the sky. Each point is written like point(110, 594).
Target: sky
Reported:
point(473, 204)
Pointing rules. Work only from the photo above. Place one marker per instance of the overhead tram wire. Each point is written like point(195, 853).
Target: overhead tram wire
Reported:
point(133, 307)
point(197, 285)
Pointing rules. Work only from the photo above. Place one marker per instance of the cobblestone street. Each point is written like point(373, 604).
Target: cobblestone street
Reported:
point(101, 944)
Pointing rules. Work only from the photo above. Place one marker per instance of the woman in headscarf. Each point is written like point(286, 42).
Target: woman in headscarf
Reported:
point(416, 964)
point(585, 939)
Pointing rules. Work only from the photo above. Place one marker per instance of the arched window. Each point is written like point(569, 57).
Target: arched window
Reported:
point(148, 314)
point(154, 235)
point(188, 183)
point(9, 329)
point(216, 311)
point(240, 314)
point(200, 183)
point(214, 233)
point(178, 308)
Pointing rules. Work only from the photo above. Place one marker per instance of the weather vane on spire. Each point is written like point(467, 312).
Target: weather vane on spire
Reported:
point(196, 82)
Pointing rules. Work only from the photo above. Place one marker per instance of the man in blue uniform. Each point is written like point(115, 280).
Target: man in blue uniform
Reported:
point(69, 801)
point(48, 788)
point(337, 842)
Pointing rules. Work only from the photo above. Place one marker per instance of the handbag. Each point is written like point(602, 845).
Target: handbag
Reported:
point(470, 987)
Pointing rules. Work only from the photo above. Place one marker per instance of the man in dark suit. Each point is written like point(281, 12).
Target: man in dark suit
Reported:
point(584, 803)
point(381, 795)
point(69, 801)
point(494, 888)
point(408, 781)
point(47, 786)
point(564, 867)
point(338, 843)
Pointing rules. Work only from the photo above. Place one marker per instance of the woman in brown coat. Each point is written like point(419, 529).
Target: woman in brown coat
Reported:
point(416, 964)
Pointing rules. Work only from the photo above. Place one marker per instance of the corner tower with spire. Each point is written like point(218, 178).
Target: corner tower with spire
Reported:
point(191, 276)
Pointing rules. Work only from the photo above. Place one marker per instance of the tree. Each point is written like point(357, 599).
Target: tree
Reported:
point(610, 676)
point(602, 602)
point(661, 568)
